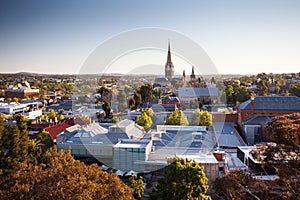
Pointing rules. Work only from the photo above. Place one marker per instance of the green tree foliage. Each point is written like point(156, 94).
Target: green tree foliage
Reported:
point(243, 94)
point(62, 180)
point(106, 108)
point(122, 101)
point(284, 153)
point(295, 90)
point(183, 179)
point(146, 92)
point(177, 118)
point(137, 184)
point(45, 141)
point(15, 145)
point(60, 117)
point(201, 118)
point(144, 120)
point(151, 113)
point(239, 185)
point(229, 94)
point(137, 99)
point(51, 114)
point(262, 87)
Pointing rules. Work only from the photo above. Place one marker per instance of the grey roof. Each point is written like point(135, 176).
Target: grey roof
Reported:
point(197, 92)
point(162, 80)
point(258, 120)
point(273, 103)
point(227, 135)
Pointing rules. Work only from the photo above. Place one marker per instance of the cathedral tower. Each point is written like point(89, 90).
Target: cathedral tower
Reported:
point(169, 67)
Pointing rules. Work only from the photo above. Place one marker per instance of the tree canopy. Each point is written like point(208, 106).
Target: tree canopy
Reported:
point(284, 153)
point(144, 120)
point(177, 118)
point(239, 185)
point(183, 179)
point(15, 145)
point(295, 90)
point(201, 118)
point(62, 180)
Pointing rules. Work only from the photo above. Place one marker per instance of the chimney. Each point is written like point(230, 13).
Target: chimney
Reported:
point(252, 104)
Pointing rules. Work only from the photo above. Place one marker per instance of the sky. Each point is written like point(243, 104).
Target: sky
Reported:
point(240, 37)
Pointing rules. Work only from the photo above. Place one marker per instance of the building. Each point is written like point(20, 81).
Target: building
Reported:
point(169, 67)
point(172, 100)
point(95, 141)
point(254, 114)
point(190, 94)
point(127, 151)
point(193, 76)
point(21, 93)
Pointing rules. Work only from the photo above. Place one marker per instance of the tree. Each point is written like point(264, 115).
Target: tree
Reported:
point(239, 185)
point(122, 101)
point(60, 117)
point(262, 87)
point(243, 94)
point(62, 180)
point(151, 114)
point(183, 179)
point(137, 98)
point(146, 92)
point(295, 90)
point(144, 120)
point(45, 140)
point(137, 184)
point(177, 118)
point(106, 108)
point(52, 114)
point(201, 118)
point(131, 103)
point(284, 154)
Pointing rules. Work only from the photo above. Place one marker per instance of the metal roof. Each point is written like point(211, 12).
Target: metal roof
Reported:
point(198, 92)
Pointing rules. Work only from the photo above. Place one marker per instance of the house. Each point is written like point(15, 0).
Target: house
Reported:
point(190, 94)
point(172, 100)
point(57, 129)
point(254, 114)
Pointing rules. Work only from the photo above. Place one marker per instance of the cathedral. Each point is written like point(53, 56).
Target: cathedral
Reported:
point(169, 67)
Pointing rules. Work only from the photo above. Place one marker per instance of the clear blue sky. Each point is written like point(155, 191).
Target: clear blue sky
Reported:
point(56, 36)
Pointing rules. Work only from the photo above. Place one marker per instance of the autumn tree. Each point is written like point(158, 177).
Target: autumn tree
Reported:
point(284, 154)
point(62, 180)
point(177, 118)
point(183, 179)
point(137, 184)
point(239, 185)
point(201, 118)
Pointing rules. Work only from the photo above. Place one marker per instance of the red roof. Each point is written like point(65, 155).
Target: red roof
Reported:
point(57, 129)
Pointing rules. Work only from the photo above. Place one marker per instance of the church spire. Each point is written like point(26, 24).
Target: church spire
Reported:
point(169, 53)
point(193, 74)
point(169, 67)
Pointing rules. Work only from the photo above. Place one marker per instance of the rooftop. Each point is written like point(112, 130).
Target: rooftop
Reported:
point(197, 92)
point(273, 103)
